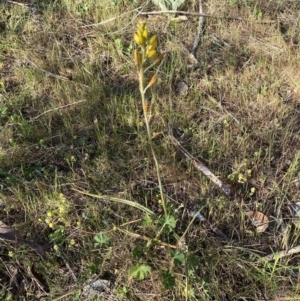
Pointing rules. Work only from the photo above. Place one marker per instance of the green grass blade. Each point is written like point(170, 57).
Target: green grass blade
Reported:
point(118, 200)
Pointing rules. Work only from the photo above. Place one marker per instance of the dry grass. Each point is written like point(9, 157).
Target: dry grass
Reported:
point(71, 118)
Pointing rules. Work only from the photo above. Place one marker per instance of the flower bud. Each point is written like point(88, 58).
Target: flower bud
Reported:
point(140, 40)
point(152, 80)
point(158, 59)
point(153, 42)
point(145, 33)
point(151, 53)
point(136, 38)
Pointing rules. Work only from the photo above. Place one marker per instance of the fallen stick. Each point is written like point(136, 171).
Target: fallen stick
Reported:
point(280, 254)
point(200, 166)
point(10, 234)
point(200, 217)
point(179, 12)
point(227, 191)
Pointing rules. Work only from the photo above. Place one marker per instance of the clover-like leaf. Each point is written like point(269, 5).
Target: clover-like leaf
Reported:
point(101, 240)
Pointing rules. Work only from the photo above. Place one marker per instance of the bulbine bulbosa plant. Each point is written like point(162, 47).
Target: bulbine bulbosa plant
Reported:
point(146, 56)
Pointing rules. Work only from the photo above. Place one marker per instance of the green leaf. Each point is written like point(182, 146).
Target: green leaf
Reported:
point(192, 261)
point(147, 221)
point(140, 271)
point(178, 258)
point(169, 222)
point(118, 200)
point(137, 252)
point(101, 240)
point(168, 280)
point(58, 236)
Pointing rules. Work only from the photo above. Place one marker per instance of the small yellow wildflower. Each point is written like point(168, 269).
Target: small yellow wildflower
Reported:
point(61, 209)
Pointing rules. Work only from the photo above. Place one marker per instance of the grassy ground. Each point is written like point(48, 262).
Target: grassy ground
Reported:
point(71, 120)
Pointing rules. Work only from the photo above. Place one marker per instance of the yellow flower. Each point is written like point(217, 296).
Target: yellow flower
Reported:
point(145, 33)
point(153, 42)
point(151, 53)
point(137, 38)
point(61, 209)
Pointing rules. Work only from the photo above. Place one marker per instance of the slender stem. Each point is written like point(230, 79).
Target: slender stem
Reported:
point(142, 90)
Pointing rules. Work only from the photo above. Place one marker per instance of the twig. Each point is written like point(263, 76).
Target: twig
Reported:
point(65, 295)
point(34, 246)
point(68, 267)
point(199, 216)
point(54, 75)
point(10, 234)
point(218, 103)
point(159, 12)
point(61, 107)
point(200, 30)
point(280, 254)
point(17, 3)
point(200, 166)
point(111, 19)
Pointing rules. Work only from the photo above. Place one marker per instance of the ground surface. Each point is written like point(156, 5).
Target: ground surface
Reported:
point(71, 120)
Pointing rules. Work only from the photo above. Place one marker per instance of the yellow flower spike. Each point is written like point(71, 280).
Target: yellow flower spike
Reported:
point(145, 33)
point(151, 53)
point(152, 80)
point(140, 28)
point(136, 38)
point(141, 25)
point(153, 42)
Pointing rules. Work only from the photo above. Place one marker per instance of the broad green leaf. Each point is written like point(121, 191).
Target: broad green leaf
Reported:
point(140, 271)
point(170, 221)
point(178, 258)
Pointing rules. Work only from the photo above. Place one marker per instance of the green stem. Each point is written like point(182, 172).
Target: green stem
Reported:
point(142, 91)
